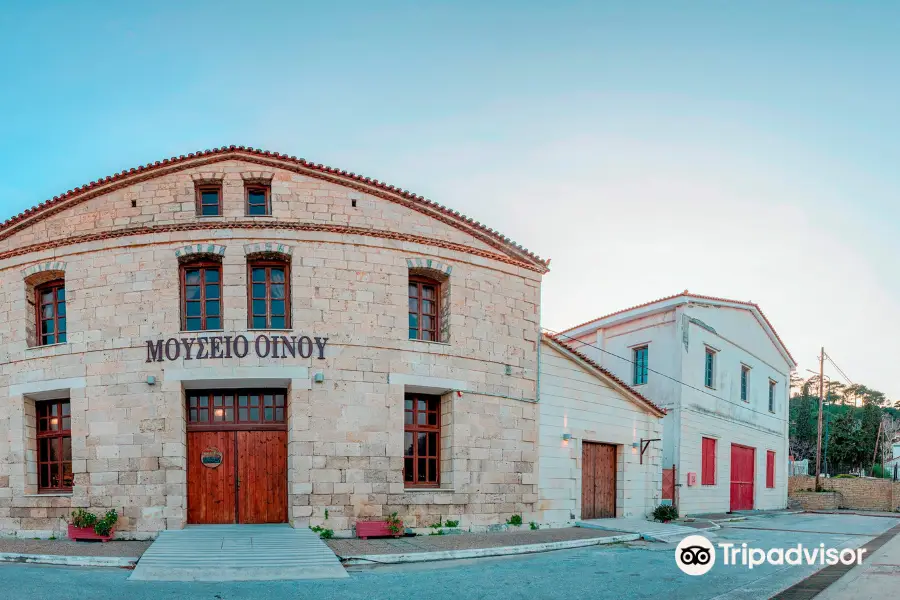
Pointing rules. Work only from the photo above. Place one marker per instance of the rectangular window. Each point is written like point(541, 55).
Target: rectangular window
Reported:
point(209, 200)
point(215, 408)
point(708, 462)
point(422, 440)
point(641, 365)
point(269, 295)
point(50, 303)
point(710, 370)
point(745, 383)
point(258, 202)
point(771, 396)
point(770, 469)
point(54, 441)
point(201, 290)
point(424, 295)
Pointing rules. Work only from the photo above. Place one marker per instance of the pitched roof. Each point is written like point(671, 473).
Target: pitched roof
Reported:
point(275, 159)
point(686, 296)
point(633, 395)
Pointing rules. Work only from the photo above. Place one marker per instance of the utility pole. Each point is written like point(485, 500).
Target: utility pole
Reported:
point(821, 403)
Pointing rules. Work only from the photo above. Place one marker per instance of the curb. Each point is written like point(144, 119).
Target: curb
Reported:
point(414, 557)
point(70, 561)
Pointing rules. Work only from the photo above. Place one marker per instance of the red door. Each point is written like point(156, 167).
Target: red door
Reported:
point(742, 472)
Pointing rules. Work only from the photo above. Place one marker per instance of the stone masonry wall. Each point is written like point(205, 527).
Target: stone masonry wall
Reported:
point(345, 434)
point(853, 493)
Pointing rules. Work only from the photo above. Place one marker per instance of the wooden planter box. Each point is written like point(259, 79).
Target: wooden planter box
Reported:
point(87, 533)
point(367, 529)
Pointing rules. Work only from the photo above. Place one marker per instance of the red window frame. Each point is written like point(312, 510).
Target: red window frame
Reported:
point(205, 189)
point(53, 424)
point(770, 469)
point(203, 266)
point(266, 191)
point(226, 410)
point(418, 288)
point(268, 315)
point(59, 324)
point(708, 461)
point(421, 423)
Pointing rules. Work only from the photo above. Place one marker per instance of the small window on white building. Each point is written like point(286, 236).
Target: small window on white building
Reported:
point(771, 396)
point(641, 365)
point(745, 383)
point(709, 378)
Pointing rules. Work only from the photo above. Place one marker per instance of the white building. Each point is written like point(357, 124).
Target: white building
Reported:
point(592, 430)
point(722, 373)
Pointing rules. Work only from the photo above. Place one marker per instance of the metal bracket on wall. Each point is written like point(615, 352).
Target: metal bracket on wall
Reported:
point(646, 444)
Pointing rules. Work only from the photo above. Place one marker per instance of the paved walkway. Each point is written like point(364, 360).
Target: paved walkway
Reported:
point(66, 547)
point(237, 553)
point(461, 541)
point(649, 530)
point(877, 578)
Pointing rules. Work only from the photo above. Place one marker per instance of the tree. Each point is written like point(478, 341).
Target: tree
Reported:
point(804, 427)
point(870, 425)
point(860, 395)
point(844, 448)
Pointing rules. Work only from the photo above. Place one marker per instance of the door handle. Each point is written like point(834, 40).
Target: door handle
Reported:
point(238, 483)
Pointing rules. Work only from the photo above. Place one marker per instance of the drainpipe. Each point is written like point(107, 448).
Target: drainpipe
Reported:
point(540, 343)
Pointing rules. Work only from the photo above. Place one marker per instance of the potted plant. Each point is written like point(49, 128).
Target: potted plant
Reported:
point(665, 513)
point(86, 525)
point(391, 527)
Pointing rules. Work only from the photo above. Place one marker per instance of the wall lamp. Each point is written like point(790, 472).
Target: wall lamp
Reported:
point(567, 436)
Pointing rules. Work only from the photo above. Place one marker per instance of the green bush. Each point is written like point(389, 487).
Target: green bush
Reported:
point(105, 525)
point(534, 526)
point(846, 476)
point(514, 520)
point(325, 534)
point(83, 518)
point(449, 523)
point(665, 512)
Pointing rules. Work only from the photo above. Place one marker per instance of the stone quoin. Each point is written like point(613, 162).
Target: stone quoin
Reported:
point(348, 348)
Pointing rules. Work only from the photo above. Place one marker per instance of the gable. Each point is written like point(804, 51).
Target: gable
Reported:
point(317, 197)
point(741, 327)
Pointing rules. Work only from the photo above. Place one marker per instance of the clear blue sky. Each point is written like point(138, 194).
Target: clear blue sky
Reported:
point(738, 149)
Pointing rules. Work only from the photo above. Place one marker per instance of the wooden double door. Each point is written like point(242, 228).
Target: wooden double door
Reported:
point(247, 485)
point(598, 480)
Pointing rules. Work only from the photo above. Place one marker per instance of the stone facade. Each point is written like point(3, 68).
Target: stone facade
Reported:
point(351, 245)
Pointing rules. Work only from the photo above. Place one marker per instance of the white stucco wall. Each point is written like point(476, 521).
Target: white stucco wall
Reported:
point(677, 344)
point(573, 399)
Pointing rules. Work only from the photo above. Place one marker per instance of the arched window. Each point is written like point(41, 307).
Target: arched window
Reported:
point(268, 294)
point(424, 308)
point(201, 293)
point(50, 305)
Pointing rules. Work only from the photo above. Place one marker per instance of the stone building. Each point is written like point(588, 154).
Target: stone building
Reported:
point(239, 336)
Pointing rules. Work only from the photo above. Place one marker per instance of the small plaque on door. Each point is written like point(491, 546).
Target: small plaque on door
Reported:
point(211, 457)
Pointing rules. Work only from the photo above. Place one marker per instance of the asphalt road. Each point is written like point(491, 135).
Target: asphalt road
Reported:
point(621, 571)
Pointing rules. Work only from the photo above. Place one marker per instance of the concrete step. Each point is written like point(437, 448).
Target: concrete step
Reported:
point(648, 530)
point(237, 553)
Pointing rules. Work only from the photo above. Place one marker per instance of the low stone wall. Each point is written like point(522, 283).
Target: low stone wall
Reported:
point(854, 493)
point(817, 500)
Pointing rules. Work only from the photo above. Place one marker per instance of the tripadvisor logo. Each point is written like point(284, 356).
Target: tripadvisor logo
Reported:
point(695, 555)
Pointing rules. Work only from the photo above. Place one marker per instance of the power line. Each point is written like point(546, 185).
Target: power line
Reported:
point(678, 381)
point(834, 364)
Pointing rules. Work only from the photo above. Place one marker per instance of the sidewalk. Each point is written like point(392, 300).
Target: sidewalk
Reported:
point(67, 552)
point(469, 545)
point(873, 579)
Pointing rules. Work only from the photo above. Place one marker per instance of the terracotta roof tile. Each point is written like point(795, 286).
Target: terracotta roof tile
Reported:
point(568, 346)
point(237, 151)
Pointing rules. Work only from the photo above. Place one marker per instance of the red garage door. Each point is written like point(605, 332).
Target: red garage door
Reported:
point(742, 460)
